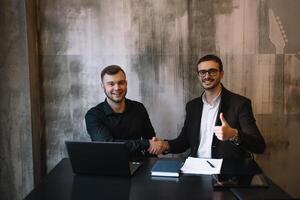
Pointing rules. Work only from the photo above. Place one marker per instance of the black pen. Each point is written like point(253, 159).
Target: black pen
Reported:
point(210, 164)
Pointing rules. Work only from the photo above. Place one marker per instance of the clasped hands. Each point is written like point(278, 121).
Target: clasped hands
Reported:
point(224, 132)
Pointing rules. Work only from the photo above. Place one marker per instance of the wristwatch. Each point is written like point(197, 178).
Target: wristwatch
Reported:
point(235, 139)
point(168, 148)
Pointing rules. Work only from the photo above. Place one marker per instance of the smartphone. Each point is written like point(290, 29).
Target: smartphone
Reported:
point(240, 180)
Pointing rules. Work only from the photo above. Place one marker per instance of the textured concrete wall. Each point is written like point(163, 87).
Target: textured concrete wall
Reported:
point(158, 43)
point(16, 176)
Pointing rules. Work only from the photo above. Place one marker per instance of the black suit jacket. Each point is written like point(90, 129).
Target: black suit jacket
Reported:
point(238, 113)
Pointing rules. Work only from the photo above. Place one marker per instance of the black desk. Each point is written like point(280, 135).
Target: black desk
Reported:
point(62, 184)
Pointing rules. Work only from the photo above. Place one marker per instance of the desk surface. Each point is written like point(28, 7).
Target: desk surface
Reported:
point(62, 184)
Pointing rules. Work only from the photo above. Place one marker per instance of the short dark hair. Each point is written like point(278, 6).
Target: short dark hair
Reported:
point(111, 70)
point(211, 57)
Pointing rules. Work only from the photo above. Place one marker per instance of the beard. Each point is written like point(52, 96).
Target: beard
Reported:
point(115, 99)
point(209, 83)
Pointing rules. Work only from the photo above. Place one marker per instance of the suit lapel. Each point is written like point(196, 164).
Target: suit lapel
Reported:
point(197, 114)
point(222, 108)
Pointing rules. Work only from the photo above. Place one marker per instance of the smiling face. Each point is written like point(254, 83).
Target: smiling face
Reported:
point(209, 74)
point(115, 87)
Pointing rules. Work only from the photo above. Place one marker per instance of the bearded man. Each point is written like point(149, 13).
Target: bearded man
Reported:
point(118, 119)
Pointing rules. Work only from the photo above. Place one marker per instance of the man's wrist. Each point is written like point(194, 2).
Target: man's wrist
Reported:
point(166, 147)
point(235, 139)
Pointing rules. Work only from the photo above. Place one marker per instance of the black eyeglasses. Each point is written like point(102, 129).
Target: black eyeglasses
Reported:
point(211, 72)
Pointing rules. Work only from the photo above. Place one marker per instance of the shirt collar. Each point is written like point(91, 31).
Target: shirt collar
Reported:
point(215, 101)
point(108, 110)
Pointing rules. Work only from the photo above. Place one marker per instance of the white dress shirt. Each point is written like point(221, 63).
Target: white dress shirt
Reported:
point(208, 121)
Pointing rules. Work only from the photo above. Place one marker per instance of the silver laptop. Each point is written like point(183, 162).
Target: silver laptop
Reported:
point(101, 158)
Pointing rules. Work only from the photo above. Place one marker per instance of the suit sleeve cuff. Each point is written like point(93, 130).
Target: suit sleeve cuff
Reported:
point(145, 144)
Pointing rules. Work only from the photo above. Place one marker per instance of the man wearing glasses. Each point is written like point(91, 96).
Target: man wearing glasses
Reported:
point(219, 123)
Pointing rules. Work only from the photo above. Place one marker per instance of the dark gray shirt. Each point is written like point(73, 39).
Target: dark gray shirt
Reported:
point(133, 126)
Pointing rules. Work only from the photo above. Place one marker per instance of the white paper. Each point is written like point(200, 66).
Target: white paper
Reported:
point(201, 166)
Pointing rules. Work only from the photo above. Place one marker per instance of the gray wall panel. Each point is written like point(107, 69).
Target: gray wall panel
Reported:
point(16, 176)
point(158, 44)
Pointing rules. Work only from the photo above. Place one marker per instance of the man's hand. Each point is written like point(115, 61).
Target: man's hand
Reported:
point(224, 132)
point(157, 146)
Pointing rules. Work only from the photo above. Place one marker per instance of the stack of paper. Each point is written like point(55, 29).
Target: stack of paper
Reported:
point(202, 166)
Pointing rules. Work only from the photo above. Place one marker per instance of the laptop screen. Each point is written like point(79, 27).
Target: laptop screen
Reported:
point(99, 158)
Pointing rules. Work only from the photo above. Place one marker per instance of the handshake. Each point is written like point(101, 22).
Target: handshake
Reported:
point(224, 132)
point(158, 146)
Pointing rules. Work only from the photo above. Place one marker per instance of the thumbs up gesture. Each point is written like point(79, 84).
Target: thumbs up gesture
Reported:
point(224, 132)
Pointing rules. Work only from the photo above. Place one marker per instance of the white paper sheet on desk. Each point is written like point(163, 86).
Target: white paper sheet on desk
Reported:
point(201, 166)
